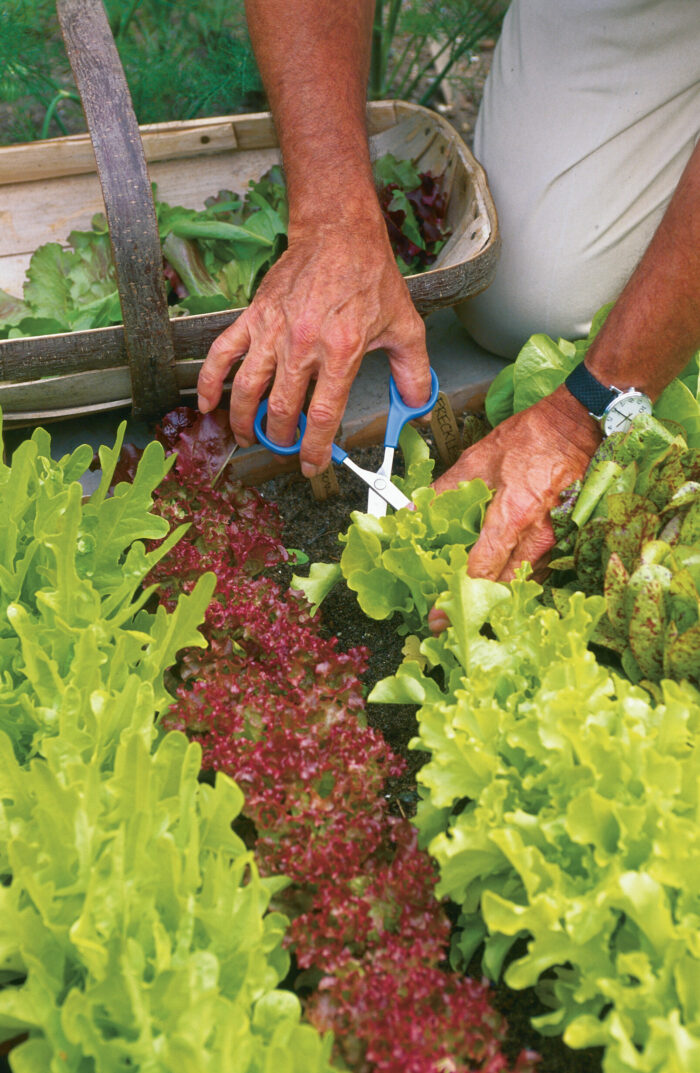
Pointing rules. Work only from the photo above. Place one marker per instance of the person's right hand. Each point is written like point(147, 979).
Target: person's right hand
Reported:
point(334, 295)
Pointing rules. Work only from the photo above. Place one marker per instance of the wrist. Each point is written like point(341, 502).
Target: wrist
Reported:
point(572, 420)
point(331, 188)
point(613, 407)
point(356, 218)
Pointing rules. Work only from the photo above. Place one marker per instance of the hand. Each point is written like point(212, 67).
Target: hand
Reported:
point(335, 294)
point(527, 460)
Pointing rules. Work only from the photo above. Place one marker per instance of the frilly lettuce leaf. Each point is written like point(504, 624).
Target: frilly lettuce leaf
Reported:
point(399, 563)
point(322, 578)
point(134, 925)
point(559, 802)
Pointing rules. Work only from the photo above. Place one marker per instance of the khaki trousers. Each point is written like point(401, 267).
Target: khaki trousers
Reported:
point(589, 115)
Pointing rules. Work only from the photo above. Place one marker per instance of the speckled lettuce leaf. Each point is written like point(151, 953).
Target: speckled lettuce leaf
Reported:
point(647, 617)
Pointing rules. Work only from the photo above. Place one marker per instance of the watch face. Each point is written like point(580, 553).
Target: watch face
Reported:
point(622, 412)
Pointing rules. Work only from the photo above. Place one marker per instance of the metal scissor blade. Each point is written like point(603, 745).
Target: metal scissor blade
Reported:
point(224, 464)
point(375, 504)
point(381, 485)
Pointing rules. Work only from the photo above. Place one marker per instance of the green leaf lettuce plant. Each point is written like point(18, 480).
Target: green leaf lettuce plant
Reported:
point(134, 930)
point(399, 564)
point(560, 803)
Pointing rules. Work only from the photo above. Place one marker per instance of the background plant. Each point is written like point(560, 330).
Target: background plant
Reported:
point(208, 46)
point(205, 44)
point(402, 63)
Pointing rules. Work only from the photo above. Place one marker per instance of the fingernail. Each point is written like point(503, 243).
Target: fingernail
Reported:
point(309, 470)
point(203, 404)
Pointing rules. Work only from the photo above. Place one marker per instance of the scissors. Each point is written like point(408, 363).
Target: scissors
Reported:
point(381, 490)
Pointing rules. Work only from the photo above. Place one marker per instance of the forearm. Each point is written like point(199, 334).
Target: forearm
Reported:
point(314, 61)
point(653, 329)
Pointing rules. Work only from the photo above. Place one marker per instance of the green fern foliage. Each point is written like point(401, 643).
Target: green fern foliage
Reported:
point(181, 61)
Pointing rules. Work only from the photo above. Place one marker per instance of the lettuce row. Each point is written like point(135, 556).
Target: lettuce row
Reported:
point(133, 923)
point(561, 805)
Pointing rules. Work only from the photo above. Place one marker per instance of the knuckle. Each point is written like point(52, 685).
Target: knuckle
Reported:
point(208, 377)
point(323, 417)
point(257, 316)
point(344, 341)
point(281, 409)
point(416, 322)
point(316, 455)
point(244, 386)
point(304, 333)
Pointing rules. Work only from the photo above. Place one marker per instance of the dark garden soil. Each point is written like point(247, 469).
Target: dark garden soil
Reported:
point(313, 528)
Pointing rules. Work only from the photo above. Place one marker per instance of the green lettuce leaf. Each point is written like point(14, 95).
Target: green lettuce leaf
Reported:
point(559, 804)
point(134, 926)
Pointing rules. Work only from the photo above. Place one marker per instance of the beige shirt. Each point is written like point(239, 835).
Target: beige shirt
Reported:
point(589, 115)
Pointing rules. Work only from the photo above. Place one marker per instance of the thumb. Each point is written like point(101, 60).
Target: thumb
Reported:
point(498, 539)
point(233, 343)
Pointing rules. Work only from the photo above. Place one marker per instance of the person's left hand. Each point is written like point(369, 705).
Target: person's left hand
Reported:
point(527, 461)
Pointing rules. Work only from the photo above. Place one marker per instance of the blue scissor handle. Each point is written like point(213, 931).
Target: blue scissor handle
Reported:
point(337, 453)
point(265, 440)
point(400, 413)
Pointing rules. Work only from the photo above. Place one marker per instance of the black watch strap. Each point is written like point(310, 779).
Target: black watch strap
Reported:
point(596, 397)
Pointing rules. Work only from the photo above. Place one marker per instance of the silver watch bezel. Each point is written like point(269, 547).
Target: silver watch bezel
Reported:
point(642, 405)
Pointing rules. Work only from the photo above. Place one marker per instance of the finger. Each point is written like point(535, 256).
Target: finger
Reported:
point(409, 362)
point(249, 385)
point(232, 344)
point(438, 620)
point(298, 361)
point(498, 539)
point(468, 466)
point(323, 418)
point(284, 406)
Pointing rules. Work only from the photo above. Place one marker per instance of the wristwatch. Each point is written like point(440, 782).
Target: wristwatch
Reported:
point(613, 408)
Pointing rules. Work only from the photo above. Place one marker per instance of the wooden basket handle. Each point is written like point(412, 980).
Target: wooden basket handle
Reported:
point(126, 189)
